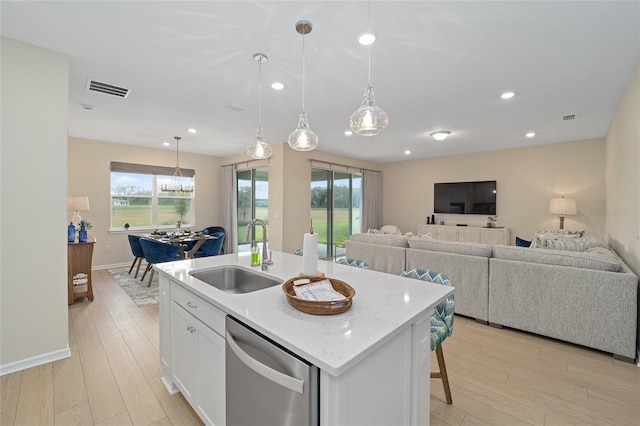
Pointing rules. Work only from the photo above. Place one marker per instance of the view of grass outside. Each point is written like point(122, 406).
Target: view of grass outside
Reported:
point(340, 224)
point(140, 215)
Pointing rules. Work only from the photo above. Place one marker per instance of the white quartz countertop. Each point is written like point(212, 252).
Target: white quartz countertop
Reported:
point(383, 305)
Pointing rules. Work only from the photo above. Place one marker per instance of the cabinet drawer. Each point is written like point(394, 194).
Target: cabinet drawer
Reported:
point(204, 311)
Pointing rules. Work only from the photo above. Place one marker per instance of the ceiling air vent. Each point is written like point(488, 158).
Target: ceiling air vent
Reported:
point(568, 117)
point(109, 89)
point(236, 108)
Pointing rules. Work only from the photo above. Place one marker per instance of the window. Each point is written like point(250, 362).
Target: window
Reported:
point(136, 197)
point(335, 208)
point(253, 202)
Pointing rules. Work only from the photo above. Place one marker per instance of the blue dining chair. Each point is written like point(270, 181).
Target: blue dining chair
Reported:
point(136, 249)
point(441, 322)
point(213, 230)
point(207, 231)
point(353, 262)
point(158, 252)
point(211, 247)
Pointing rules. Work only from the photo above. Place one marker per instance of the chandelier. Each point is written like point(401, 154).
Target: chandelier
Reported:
point(175, 185)
point(369, 119)
point(303, 138)
point(260, 149)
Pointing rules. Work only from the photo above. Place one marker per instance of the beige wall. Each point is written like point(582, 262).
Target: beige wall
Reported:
point(33, 166)
point(89, 173)
point(623, 176)
point(526, 179)
point(623, 180)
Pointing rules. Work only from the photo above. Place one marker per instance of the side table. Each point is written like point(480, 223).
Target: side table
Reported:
point(79, 257)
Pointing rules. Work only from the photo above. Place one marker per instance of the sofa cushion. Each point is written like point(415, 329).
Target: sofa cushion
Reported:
point(470, 249)
point(603, 260)
point(392, 240)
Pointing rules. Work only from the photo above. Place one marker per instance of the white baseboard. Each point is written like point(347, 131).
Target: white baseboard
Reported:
point(34, 361)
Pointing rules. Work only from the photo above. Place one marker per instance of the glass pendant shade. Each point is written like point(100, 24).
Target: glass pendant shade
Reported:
point(303, 138)
point(260, 149)
point(369, 119)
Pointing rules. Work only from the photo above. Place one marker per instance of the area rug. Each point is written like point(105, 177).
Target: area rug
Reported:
point(137, 290)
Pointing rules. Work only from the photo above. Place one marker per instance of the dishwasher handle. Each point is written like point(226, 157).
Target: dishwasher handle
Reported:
point(288, 382)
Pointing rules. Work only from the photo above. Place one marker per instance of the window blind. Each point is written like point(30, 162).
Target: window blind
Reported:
point(145, 169)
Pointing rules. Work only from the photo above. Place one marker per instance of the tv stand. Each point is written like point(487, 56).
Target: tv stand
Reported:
point(467, 234)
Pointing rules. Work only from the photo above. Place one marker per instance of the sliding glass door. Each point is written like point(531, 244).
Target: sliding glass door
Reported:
point(335, 208)
point(253, 202)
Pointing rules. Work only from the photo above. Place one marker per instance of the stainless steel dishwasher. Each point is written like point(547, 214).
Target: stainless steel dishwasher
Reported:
point(267, 384)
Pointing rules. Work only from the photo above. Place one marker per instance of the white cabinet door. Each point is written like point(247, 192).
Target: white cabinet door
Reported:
point(493, 236)
point(469, 235)
point(183, 351)
point(165, 323)
point(211, 377)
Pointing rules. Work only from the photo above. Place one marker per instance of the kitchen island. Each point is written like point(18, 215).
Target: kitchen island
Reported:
point(373, 359)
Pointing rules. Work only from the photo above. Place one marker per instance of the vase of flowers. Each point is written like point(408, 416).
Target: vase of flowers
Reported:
point(82, 233)
point(491, 220)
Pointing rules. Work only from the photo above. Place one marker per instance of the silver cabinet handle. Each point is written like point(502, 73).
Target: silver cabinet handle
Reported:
point(191, 329)
point(192, 305)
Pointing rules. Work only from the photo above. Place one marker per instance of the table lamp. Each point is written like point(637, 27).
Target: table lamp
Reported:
point(562, 206)
point(77, 204)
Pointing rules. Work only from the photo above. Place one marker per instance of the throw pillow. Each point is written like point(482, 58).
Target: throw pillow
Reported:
point(569, 244)
point(390, 229)
point(373, 231)
point(522, 243)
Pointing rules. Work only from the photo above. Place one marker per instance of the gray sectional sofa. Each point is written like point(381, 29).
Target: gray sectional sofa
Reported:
point(588, 298)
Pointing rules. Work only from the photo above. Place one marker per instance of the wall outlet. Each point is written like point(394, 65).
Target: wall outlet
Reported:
point(425, 350)
point(107, 249)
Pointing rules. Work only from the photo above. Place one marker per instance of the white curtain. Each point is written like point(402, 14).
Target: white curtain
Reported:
point(371, 200)
point(228, 203)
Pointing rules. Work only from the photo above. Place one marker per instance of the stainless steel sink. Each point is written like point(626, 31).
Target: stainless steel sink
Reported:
point(235, 279)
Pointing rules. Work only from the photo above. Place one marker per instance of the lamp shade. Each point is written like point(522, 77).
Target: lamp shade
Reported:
point(562, 206)
point(78, 203)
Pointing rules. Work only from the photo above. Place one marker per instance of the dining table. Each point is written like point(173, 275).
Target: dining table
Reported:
point(184, 240)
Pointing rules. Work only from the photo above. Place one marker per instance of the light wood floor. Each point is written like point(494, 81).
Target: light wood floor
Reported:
point(497, 376)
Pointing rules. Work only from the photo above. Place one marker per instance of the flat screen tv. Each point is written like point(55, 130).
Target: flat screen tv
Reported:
point(465, 197)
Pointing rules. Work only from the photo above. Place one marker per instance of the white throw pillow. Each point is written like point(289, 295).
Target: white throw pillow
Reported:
point(390, 229)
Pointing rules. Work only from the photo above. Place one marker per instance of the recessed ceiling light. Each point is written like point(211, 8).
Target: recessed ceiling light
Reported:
point(407, 152)
point(440, 135)
point(166, 143)
point(366, 38)
point(507, 95)
point(277, 85)
point(192, 130)
point(348, 132)
point(530, 134)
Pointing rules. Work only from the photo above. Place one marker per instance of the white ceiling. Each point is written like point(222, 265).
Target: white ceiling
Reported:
point(436, 65)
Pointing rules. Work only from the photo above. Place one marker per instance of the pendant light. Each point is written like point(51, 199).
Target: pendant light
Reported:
point(175, 185)
point(303, 139)
point(369, 119)
point(260, 149)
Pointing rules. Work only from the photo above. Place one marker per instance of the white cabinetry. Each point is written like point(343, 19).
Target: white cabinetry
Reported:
point(196, 361)
point(466, 234)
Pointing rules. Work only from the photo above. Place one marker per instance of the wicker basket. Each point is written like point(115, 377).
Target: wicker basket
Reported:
point(315, 307)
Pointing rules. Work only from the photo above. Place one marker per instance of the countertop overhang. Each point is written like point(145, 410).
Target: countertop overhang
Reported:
point(383, 305)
